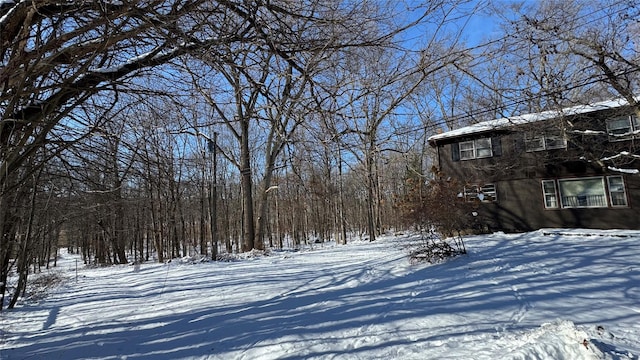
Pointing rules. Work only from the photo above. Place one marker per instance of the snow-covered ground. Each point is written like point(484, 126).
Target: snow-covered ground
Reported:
point(548, 294)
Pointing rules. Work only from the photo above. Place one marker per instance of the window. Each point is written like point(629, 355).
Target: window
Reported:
point(467, 150)
point(623, 128)
point(483, 148)
point(550, 194)
point(555, 140)
point(533, 142)
point(577, 193)
point(550, 139)
point(483, 193)
point(584, 193)
point(475, 149)
point(617, 194)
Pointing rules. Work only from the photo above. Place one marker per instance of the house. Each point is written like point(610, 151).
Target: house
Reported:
point(572, 168)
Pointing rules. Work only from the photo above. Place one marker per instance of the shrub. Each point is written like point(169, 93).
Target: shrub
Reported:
point(434, 249)
point(436, 206)
point(41, 285)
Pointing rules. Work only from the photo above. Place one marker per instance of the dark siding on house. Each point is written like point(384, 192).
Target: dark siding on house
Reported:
point(521, 208)
point(518, 177)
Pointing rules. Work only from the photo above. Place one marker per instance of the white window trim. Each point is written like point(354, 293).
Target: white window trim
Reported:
point(474, 149)
point(604, 195)
point(610, 193)
point(606, 186)
point(486, 193)
point(529, 138)
point(544, 141)
point(554, 195)
point(633, 126)
point(490, 148)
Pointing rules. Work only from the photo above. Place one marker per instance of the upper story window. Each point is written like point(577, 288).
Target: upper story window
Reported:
point(467, 150)
point(547, 140)
point(623, 128)
point(476, 149)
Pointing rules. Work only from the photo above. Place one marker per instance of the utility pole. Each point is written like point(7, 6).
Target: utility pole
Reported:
point(213, 196)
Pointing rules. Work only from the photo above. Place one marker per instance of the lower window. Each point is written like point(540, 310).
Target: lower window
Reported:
point(617, 195)
point(483, 193)
point(592, 192)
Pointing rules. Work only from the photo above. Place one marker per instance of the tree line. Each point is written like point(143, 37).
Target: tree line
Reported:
point(138, 131)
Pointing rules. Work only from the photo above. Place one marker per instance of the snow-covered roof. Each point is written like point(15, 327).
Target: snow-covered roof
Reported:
point(502, 123)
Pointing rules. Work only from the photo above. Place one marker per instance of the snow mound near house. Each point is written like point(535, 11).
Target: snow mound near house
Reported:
point(561, 340)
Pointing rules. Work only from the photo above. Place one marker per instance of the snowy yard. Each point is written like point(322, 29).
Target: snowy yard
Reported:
point(537, 295)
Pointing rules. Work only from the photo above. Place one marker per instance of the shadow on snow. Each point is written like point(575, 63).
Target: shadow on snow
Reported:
point(346, 310)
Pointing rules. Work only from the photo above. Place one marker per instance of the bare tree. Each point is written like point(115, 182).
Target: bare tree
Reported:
point(372, 95)
point(56, 57)
point(575, 52)
point(265, 90)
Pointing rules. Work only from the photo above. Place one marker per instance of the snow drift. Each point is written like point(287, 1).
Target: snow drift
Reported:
point(550, 294)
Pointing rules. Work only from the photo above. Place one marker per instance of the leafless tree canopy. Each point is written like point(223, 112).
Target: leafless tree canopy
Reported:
point(320, 111)
point(79, 126)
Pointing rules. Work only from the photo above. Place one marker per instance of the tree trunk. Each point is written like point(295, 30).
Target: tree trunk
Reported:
point(264, 203)
point(25, 250)
point(213, 199)
point(249, 233)
point(5, 247)
point(203, 211)
point(371, 222)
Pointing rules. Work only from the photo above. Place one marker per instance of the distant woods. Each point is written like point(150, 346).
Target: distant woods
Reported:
point(145, 131)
